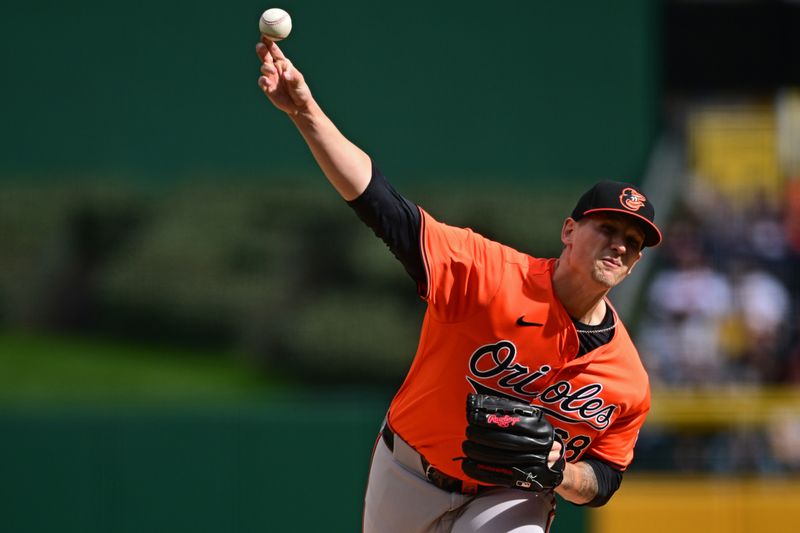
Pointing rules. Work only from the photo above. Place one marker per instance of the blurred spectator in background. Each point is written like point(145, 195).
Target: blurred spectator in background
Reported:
point(761, 309)
point(688, 302)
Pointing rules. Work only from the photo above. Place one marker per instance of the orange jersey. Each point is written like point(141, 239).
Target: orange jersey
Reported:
point(493, 325)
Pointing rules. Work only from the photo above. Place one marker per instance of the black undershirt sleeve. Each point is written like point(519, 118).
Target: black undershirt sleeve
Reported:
point(395, 220)
point(608, 481)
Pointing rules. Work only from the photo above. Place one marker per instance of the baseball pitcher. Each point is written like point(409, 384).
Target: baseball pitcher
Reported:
point(525, 382)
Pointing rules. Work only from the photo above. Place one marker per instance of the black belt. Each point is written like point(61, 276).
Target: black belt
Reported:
point(438, 478)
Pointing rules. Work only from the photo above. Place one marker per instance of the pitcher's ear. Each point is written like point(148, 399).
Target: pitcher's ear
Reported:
point(568, 231)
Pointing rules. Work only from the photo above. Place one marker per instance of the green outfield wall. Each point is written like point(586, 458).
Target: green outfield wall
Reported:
point(293, 466)
point(159, 91)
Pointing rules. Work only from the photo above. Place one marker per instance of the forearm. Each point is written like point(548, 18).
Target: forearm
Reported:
point(345, 165)
point(580, 483)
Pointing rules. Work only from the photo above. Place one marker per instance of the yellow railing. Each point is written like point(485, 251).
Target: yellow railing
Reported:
point(733, 406)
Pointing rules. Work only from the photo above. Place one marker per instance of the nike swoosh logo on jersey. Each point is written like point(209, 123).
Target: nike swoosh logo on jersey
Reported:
point(522, 322)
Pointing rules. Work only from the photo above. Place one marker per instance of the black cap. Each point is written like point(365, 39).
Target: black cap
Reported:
point(620, 197)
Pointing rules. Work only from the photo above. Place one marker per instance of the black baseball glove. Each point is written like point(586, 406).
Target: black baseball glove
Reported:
point(508, 443)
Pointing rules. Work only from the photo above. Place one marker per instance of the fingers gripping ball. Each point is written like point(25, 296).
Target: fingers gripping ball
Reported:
point(275, 24)
point(508, 443)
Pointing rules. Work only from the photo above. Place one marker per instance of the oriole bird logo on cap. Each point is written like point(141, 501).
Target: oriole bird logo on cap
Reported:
point(632, 199)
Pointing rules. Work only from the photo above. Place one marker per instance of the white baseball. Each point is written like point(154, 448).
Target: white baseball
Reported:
point(275, 24)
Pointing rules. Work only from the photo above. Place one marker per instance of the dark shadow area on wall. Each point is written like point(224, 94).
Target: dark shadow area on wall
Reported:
point(711, 46)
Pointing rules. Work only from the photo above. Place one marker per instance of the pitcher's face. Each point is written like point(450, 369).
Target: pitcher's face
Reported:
point(603, 246)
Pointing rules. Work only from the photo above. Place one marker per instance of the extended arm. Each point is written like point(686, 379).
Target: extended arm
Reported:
point(345, 165)
point(392, 217)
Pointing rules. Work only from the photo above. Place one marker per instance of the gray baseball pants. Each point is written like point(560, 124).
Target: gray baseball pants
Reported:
point(400, 499)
